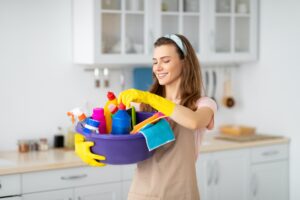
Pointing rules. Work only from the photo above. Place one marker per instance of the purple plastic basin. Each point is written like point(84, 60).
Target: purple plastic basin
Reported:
point(120, 149)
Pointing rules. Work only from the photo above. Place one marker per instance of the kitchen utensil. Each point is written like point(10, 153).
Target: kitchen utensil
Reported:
point(106, 77)
point(97, 80)
point(214, 89)
point(206, 82)
point(120, 149)
point(228, 100)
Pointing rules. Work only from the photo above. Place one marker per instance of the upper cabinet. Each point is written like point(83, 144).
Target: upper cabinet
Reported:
point(110, 31)
point(232, 34)
point(123, 31)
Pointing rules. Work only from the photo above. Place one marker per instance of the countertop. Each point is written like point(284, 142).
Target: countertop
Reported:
point(12, 162)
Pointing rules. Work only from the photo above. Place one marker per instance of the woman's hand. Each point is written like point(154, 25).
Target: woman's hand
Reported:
point(82, 149)
point(157, 102)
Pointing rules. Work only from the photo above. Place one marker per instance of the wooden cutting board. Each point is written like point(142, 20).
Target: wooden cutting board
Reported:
point(247, 138)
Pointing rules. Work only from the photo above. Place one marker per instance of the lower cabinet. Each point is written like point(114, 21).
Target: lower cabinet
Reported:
point(223, 175)
point(269, 173)
point(258, 173)
point(110, 191)
point(125, 189)
point(66, 194)
point(83, 183)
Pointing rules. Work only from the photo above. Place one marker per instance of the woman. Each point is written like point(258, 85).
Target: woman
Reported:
point(176, 92)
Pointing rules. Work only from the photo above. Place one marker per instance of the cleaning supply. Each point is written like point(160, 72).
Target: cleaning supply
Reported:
point(69, 143)
point(91, 126)
point(157, 134)
point(133, 116)
point(76, 112)
point(121, 122)
point(155, 117)
point(108, 117)
point(98, 114)
point(112, 108)
point(157, 102)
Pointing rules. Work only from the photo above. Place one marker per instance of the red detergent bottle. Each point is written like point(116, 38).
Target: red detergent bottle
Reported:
point(121, 122)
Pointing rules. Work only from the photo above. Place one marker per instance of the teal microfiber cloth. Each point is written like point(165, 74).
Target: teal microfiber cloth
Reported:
point(157, 134)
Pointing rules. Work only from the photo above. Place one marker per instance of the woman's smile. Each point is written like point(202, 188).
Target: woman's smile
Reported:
point(161, 75)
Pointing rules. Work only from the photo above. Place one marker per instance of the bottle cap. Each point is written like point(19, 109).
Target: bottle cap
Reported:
point(112, 108)
point(122, 106)
point(82, 117)
point(111, 96)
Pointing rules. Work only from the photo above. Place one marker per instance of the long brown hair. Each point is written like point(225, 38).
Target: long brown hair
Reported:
point(191, 81)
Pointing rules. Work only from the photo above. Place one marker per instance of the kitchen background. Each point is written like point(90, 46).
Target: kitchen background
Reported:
point(39, 83)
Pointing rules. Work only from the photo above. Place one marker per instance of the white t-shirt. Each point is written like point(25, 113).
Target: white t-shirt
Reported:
point(204, 102)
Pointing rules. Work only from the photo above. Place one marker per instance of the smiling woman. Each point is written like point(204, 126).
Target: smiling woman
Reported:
point(176, 92)
point(167, 66)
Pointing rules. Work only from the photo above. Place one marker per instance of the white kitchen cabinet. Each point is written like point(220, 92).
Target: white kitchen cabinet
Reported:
point(223, 175)
point(12, 198)
point(82, 183)
point(108, 191)
point(269, 173)
point(182, 16)
point(69, 178)
point(66, 194)
point(232, 30)
point(258, 173)
point(127, 172)
point(123, 32)
point(111, 31)
point(10, 185)
point(125, 189)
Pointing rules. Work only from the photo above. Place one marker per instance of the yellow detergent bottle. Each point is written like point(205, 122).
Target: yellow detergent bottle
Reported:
point(108, 116)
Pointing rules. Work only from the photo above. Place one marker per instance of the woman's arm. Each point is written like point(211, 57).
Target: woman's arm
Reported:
point(180, 114)
point(192, 119)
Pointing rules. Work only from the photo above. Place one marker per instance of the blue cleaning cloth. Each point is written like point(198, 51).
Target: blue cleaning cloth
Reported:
point(142, 78)
point(157, 134)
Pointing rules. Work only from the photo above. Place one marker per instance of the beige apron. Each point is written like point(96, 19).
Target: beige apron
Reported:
point(170, 174)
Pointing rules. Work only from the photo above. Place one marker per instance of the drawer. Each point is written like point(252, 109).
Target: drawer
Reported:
point(269, 153)
point(128, 171)
point(67, 178)
point(10, 185)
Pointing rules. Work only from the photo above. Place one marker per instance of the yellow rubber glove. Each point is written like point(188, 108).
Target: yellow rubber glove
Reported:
point(157, 102)
point(82, 149)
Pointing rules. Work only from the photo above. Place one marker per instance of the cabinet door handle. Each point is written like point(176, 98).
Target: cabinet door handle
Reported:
point(270, 153)
point(254, 184)
point(73, 177)
point(210, 173)
point(217, 172)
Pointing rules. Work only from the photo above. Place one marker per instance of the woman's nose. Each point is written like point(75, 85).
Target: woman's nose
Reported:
point(158, 66)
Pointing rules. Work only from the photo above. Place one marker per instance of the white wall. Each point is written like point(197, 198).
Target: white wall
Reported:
point(269, 89)
point(38, 82)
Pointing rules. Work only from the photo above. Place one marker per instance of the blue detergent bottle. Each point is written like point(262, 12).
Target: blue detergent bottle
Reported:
point(121, 122)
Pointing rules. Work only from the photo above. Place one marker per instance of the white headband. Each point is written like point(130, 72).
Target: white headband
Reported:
point(178, 42)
